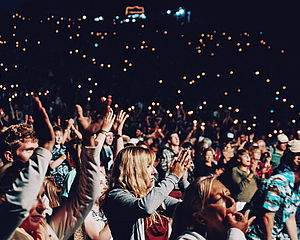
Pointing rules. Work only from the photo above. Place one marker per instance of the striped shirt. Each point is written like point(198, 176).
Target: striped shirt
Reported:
point(278, 194)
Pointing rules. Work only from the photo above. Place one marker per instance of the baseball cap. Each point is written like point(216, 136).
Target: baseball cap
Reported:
point(294, 146)
point(282, 138)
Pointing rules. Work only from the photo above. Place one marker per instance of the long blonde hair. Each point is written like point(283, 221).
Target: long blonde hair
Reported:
point(194, 201)
point(52, 191)
point(129, 171)
point(130, 168)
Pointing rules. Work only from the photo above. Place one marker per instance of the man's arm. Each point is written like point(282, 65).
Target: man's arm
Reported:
point(26, 185)
point(268, 220)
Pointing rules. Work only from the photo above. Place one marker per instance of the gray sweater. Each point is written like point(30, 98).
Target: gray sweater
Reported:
point(22, 195)
point(126, 213)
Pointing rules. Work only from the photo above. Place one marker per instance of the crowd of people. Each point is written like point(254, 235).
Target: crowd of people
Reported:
point(104, 174)
point(200, 139)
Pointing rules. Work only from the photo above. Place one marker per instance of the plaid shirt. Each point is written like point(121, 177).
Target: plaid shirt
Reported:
point(167, 157)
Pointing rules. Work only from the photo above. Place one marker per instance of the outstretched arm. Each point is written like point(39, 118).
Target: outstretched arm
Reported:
point(83, 195)
point(120, 120)
point(26, 185)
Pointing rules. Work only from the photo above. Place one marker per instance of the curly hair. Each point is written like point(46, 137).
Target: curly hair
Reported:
point(13, 136)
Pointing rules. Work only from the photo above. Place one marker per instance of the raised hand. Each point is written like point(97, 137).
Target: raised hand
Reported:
point(71, 122)
point(42, 126)
point(86, 122)
point(120, 120)
point(88, 128)
point(181, 163)
point(266, 168)
point(108, 120)
point(240, 221)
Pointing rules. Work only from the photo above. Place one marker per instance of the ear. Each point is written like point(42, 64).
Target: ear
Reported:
point(8, 156)
point(199, 219)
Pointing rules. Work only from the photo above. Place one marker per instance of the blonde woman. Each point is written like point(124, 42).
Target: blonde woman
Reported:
point(208, 212)
point(132, 202)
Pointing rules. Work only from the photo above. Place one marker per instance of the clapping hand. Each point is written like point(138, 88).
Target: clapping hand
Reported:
point(181, 163)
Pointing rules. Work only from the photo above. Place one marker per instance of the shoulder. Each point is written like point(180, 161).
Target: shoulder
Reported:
point(282, 179)
point(119, 193)
point(236, 170)
point(190, 235)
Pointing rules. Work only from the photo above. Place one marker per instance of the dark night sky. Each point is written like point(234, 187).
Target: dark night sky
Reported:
point(275, 17)
point(278, 19)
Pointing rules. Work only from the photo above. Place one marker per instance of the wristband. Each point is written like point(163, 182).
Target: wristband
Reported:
point(117, 136)
point(104, 132)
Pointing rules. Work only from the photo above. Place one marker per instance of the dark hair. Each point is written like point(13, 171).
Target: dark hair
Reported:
point(57, 128)
point(187, 145)
point(168, 136)
point(209, 150)
point(288, 158)
point(241, 152)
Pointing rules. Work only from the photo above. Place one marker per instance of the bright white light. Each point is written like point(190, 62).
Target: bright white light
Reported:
point(168, 11)
point(181, 11)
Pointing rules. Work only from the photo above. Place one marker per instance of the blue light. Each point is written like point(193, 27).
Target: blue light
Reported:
point(181, 11)
point(117, 17)
point(271, 111)
point(135, 15)
point(96, 45)
point(277, 98)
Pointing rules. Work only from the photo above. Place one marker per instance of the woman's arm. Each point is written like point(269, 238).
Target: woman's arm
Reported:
point(120, 120)
point(57, 162)
point(124, 205)
point(121, 204)
point(268, 220)
point(240, 181)
point(292, 227)
point(72, 213)
point(96, 230)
